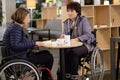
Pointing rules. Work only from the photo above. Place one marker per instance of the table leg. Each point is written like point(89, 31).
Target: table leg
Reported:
point(113, 69)
point(32, 35)
point(118, 60)
point(62, 64)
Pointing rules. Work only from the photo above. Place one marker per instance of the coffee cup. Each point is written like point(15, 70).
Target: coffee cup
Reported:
point(67, 39)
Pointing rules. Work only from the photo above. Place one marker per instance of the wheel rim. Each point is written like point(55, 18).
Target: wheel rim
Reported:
point(18, 71)
point(97, 67)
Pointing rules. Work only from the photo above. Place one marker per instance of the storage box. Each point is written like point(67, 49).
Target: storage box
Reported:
point(49, 12)
point(116, 1)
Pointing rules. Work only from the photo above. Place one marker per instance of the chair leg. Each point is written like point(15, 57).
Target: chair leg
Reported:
point(118, 59)
point(117, 70)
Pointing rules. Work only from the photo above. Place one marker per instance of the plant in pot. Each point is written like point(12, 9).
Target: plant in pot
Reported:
point(37, 11)
point(36, 14)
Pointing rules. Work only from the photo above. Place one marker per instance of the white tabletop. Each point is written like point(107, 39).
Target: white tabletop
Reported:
point(50, 44)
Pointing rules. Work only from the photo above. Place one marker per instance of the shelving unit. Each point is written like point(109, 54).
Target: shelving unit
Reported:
point(103, 38)
point(115, 15)
point(88, 11)
point(101, 14)
point(107, 20)
point(47, 14)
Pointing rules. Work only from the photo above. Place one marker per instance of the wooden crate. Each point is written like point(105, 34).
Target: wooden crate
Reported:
point(116, 1)
point(115, 15)
point(49, 12)
point(103, 38)
point(102, 15)
point(31, 4)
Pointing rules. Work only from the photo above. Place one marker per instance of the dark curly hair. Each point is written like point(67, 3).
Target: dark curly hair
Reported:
point(74, 6)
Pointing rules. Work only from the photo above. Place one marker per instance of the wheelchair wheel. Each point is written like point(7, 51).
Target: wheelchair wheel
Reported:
point(19, 70)
point(97, 64)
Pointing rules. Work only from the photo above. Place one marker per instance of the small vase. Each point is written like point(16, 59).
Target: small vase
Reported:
point(96, 2)
point(106, 2)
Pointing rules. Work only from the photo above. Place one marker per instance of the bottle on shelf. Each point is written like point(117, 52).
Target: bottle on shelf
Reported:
point(96, 2)
point(106, 2)
point(82, 2)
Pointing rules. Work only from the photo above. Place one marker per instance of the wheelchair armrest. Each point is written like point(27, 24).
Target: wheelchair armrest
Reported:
point(45, 30)
point(1, 43)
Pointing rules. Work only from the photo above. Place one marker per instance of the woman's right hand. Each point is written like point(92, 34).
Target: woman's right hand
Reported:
point(39, 43)
point(62, 36)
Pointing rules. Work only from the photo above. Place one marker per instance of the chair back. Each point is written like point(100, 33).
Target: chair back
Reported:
point(94, 41)
point(5, 52)
point(54, 24)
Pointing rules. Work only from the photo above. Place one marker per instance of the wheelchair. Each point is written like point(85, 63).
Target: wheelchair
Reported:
point(19, 69)
point(92, 66)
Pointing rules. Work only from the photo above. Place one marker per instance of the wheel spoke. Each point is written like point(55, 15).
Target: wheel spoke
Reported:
point(17, 69)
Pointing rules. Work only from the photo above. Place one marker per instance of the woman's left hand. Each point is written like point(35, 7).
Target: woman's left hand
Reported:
point(75, 40)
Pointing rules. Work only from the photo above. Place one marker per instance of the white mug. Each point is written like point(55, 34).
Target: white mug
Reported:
point(67, 39)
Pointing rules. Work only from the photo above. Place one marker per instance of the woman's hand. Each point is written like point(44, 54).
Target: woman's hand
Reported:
point(39, 43)
point(62, 36)
point(75, 40)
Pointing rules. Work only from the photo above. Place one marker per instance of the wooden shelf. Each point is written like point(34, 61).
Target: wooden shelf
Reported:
point(87, 10)
point(103, 48)
point(114, 32)
point(103, 37)
point(102, 15)
point(115, 15)
point(49, 12)
point(102, 28)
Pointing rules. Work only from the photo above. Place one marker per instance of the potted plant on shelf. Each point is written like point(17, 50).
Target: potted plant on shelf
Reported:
point(37, 11)
point(36, 14)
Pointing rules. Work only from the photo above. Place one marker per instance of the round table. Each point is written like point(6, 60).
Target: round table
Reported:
point(61, 47)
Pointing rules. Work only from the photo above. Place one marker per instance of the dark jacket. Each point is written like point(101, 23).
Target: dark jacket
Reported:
point(17, 40)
